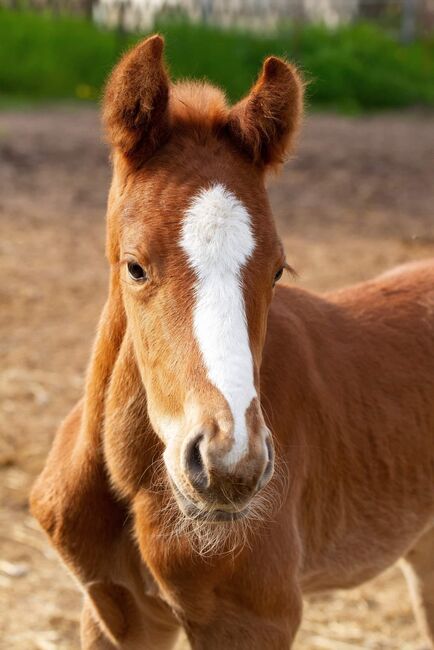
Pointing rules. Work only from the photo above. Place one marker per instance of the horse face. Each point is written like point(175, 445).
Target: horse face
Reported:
point(198, 257)
point(197, 268)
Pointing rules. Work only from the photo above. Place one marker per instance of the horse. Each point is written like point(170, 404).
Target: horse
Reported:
point(239, 444)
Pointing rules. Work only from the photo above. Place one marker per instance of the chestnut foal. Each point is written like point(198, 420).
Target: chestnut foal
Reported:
point(236, 446)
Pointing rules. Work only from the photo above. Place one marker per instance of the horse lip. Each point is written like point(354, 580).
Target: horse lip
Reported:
point(224, 515)
point(192, 511)
point(214, 516)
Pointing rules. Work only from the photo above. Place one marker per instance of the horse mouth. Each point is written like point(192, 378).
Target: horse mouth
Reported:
point(219, 516)
point(199, 513)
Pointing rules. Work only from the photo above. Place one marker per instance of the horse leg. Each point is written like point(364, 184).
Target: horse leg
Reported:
point(238, 628)
point(418, 568)
point(91, 633)
point(111, 618)
point(249, 635)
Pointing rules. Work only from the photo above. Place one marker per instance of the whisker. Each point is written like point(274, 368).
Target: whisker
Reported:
point(208, 538)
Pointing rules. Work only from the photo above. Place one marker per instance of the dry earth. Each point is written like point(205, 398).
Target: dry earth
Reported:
point(356, 200)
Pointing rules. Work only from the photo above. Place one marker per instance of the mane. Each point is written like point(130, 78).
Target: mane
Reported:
point(198, 105)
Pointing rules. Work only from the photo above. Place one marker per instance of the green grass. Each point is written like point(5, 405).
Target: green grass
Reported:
point(353, 68)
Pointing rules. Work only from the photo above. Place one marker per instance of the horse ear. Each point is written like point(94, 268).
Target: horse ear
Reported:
point(265, 122)
point(135, 106)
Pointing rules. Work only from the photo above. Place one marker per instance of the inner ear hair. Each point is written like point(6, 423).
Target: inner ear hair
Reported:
point(135, 105)
point(264, 123)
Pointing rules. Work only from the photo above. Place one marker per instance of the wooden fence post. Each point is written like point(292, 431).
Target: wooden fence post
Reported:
point(408, 21)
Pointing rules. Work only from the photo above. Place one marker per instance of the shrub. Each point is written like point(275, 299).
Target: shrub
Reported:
point(46, 57)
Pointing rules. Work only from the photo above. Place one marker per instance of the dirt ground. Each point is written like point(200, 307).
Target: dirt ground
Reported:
point(356, 200)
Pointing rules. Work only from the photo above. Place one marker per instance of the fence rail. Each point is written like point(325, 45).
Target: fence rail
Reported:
point(407, 18)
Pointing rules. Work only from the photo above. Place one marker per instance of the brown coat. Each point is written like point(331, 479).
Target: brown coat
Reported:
point(346, 387)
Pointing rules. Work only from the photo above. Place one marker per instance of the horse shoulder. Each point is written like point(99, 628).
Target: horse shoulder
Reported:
point(73, 502)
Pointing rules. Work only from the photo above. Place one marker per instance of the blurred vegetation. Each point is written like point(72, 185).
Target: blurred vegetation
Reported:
point(351, 68)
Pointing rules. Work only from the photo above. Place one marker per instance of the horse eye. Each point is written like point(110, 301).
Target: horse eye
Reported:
point(136, 272)
point(278, 275)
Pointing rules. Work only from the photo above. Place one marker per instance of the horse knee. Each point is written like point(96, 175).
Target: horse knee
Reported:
point(113, 619)
point(91, 633)
point(418, 568)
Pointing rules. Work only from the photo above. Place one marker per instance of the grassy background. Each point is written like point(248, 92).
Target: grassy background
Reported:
point(352, 68)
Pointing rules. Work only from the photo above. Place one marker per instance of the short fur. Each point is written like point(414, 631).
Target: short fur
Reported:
point(346, 383)
point(218, 241)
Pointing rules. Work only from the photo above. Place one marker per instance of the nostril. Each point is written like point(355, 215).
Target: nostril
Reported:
point(194, 464)
point(270, 449)
point(269, 468)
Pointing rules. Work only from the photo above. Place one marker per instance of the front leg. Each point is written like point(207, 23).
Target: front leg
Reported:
point(237, 628)
point(93, 637)
point(113, 618)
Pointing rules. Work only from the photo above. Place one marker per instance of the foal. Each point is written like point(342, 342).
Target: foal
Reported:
point(237, 445)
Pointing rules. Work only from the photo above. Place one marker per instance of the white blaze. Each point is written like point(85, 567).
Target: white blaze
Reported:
point(218, 240)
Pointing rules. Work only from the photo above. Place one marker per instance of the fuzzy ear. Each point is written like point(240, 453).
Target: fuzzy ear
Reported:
point(135, 107)
point(264, 123)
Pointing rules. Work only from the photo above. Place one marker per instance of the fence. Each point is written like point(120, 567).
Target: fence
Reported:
point(408, 18)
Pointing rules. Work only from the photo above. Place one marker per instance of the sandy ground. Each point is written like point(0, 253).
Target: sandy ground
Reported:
point(356, 200)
